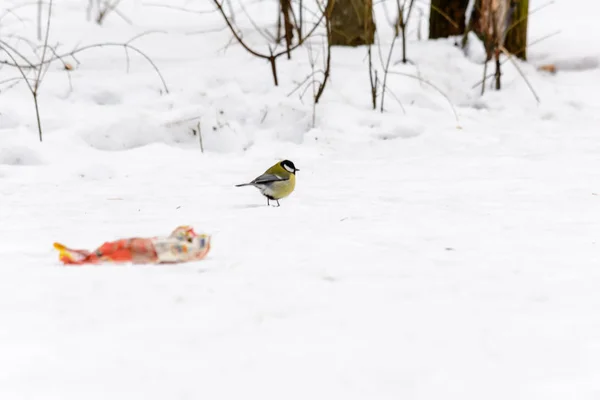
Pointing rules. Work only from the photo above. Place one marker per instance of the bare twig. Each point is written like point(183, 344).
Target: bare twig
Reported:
point(15, 52)
point(303, 82)
point(144, 34)
point(10, 11)
point(534, 42)
point(107, 7)
point(312, 62)
point(372, 79)
point(541, 39)
point(123, 16)
point(39, 75)
point(503, 49)
point(202, 32)
point(385, 72)
point(300, 22)
point(179, 8)
point(272, 56)
point(21, 70)
point(199, 132)
point(327, 61)
point(485, 65)
point(65, 66)
point(14, 78)
point(432, 85)
point(33, 88)
point(37, 80)
point(397, 100)
point(400, 25)
point(97, 45)
point(264, 33)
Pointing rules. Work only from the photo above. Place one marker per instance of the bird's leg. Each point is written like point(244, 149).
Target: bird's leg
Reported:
point(277, 203)
point(268, 204)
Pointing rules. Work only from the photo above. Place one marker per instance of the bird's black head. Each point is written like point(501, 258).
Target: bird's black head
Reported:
point(289, 166)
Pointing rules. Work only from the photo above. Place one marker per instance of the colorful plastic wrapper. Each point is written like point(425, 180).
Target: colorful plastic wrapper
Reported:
point(182, 245)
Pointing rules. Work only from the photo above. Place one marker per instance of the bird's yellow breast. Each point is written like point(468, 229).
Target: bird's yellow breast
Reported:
point(279, 190)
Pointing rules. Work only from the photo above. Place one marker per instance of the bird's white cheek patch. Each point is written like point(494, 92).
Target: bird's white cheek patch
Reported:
point(288, 168)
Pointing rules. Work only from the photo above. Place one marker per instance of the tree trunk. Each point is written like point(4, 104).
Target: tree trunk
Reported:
point(447, 18)
point(288, 26)
point(516, 38)
point(352, 22)
point(474, 24)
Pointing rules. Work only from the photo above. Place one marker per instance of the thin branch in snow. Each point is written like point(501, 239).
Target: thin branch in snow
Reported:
point(88, 47)
point(503, 49)
point(433, 86)
point(272, 56)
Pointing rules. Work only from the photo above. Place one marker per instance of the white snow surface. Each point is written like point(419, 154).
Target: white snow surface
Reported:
point(420, 257)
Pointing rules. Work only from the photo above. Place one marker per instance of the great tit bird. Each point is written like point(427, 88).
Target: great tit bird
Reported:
point(277, 182)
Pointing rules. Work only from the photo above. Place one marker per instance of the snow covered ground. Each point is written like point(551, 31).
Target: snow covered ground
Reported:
point(419, 258)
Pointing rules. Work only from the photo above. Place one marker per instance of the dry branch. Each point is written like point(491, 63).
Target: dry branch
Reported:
point(272, 56)
point(402, 22)
point(386, 69)
point(105, 8)
point(35, 86)
point(88, 47)
point(506, 52)
point(372, 79)
point(327, 70)
point(433, 86)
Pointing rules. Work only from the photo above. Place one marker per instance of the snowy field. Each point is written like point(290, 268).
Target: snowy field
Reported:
point(420, 257)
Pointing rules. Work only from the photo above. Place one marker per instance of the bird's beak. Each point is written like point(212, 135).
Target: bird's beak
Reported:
point(296, 170)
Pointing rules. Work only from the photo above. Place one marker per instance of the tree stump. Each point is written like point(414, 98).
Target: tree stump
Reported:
point(516, 37)
point(447, 18)
point(351, 22)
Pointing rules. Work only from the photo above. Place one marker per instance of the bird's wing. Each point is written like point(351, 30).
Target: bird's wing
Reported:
point(268, 178)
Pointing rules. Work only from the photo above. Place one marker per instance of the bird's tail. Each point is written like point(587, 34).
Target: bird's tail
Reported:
point(243, 184)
